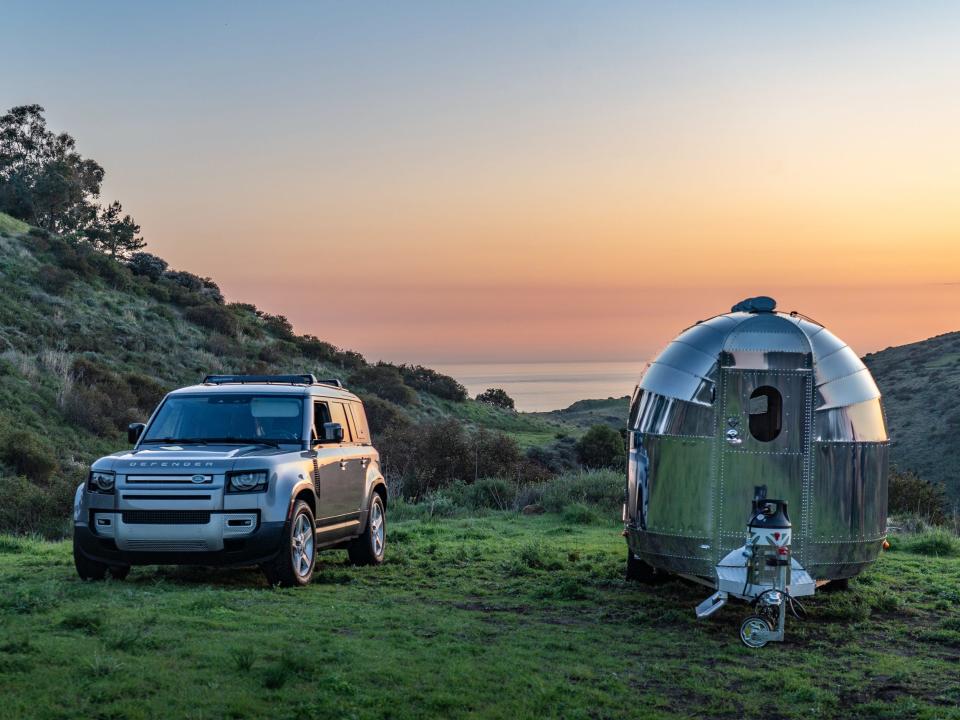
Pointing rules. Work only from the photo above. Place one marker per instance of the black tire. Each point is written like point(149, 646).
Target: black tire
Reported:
point(294, 563)
point(640, 571)
point(89, 569)
point(370, 547)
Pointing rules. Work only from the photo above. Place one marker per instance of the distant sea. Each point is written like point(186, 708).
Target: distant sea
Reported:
point(547, 386)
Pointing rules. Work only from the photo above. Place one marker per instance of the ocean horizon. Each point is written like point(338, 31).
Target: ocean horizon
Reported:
point(543, 386)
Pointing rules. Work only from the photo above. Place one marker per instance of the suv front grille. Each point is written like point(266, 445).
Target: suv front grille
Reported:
point(166, 517)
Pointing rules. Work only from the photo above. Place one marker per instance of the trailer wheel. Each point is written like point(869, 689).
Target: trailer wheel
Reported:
point(640, 571)
point(753, 631)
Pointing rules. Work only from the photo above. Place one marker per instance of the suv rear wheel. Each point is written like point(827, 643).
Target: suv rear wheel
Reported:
point(293, 565)
point(368, 549)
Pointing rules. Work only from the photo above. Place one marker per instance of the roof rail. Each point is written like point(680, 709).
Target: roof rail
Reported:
point(330, 381)
point(242, 379)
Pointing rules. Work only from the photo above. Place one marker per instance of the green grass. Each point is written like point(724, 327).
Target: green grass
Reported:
point(12, 226)
point(503, 616)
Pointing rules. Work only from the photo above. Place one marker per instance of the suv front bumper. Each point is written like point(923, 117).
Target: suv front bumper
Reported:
point(259, 546)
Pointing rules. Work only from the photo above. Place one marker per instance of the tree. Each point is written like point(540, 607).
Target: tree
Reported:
point(497, 397)
point(43, 179)
point(601, 447)
point(114, 233)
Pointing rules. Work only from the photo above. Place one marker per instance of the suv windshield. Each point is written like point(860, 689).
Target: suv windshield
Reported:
point(228, 418)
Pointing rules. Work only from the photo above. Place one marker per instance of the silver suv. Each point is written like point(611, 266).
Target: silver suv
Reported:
point(241, 470)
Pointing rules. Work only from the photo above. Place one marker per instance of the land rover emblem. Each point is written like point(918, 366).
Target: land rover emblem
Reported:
point(197, 479)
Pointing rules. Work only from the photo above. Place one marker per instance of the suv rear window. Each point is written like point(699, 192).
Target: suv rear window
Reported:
point(361, 430)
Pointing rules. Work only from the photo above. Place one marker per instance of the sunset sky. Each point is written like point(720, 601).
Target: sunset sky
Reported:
point(452, 181)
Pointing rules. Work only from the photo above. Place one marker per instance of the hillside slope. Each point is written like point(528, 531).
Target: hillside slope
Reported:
point(87, 345)
point(920, 383)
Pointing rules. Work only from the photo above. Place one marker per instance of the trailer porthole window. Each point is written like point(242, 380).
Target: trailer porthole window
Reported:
point(766, 413)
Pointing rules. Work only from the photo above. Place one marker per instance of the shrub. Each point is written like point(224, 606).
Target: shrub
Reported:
point(601, 447)
point(147, 265)
point(427, 380)
point(385, 381)
point(908, 493)
point(316, 349)
point(496, 397)
point(936, 541)
point(277, 325)
point(578, 514)
point(28, 455)
point(383, 414)
point(31, 508)
point(213, 317)
point(54, 280)
point(558, 457)
point(600, 489)
point(492, 493)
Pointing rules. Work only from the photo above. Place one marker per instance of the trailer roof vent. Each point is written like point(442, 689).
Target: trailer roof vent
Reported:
point(759, 304)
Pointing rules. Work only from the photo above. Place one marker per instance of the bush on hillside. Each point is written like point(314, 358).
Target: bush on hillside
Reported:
point(349, 360)
point(203, 287)
point(909, 494)
point(601, 447)
point(433, 382)
point(31, 508)
point(558, 457)
point(104, 402)
point(277, 325)
point(497, 397)
point(147, 265)
point(29, 455)
point(213, 317)
point(54, 280)
point(385, 381)
point(383, 414)
point(316, 349)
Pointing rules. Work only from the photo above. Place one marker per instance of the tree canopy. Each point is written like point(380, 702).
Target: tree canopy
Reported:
point(46, 182)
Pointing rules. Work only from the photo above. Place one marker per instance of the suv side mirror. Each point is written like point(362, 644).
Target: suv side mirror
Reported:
point(332, 432)
point(134, 431)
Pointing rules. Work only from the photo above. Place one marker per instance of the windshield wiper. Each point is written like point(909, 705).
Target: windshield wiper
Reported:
point(247, 441)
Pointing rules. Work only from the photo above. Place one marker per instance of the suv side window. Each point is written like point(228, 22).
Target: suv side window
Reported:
point(321, 415)
point(338, 414)
point(361, 431)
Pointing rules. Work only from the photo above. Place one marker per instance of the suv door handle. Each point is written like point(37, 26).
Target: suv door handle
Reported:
point(364, 461)
point(343, 464)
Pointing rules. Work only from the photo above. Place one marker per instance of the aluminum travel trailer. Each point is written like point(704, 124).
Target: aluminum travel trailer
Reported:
point(753, 404)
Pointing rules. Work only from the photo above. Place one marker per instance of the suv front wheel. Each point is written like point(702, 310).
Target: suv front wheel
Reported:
point(293, 565)
point(368, 549)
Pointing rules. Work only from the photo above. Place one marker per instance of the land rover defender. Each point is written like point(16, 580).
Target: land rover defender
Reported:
point(239, 470)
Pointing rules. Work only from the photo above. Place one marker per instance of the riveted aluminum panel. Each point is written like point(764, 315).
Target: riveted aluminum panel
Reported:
point(672, 553)
point(682, 356)
point(821, 340)
point(661, 415)
point(666, 380)
point(848, 390)
point(850, 492)
point(679, 494)
point(838, 364)
point(757, 360)
point(767, 332)
point(707, 339)
point(863, 422)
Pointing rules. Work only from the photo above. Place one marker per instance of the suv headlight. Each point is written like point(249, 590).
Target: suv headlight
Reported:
point(101, 482)
point(247, 481)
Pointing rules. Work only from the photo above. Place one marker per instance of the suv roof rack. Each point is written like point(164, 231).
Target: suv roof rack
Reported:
point(307, 379)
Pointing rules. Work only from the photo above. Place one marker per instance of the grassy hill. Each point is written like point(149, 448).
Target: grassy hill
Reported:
point(87, 345)
point(586, 413)
point(921, 386)
point(502, 616)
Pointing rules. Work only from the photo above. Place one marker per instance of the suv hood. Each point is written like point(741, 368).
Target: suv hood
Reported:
point(176, 459)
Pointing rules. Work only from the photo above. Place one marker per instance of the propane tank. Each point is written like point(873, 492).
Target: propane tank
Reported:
point(768, 538)
point(768, 568)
